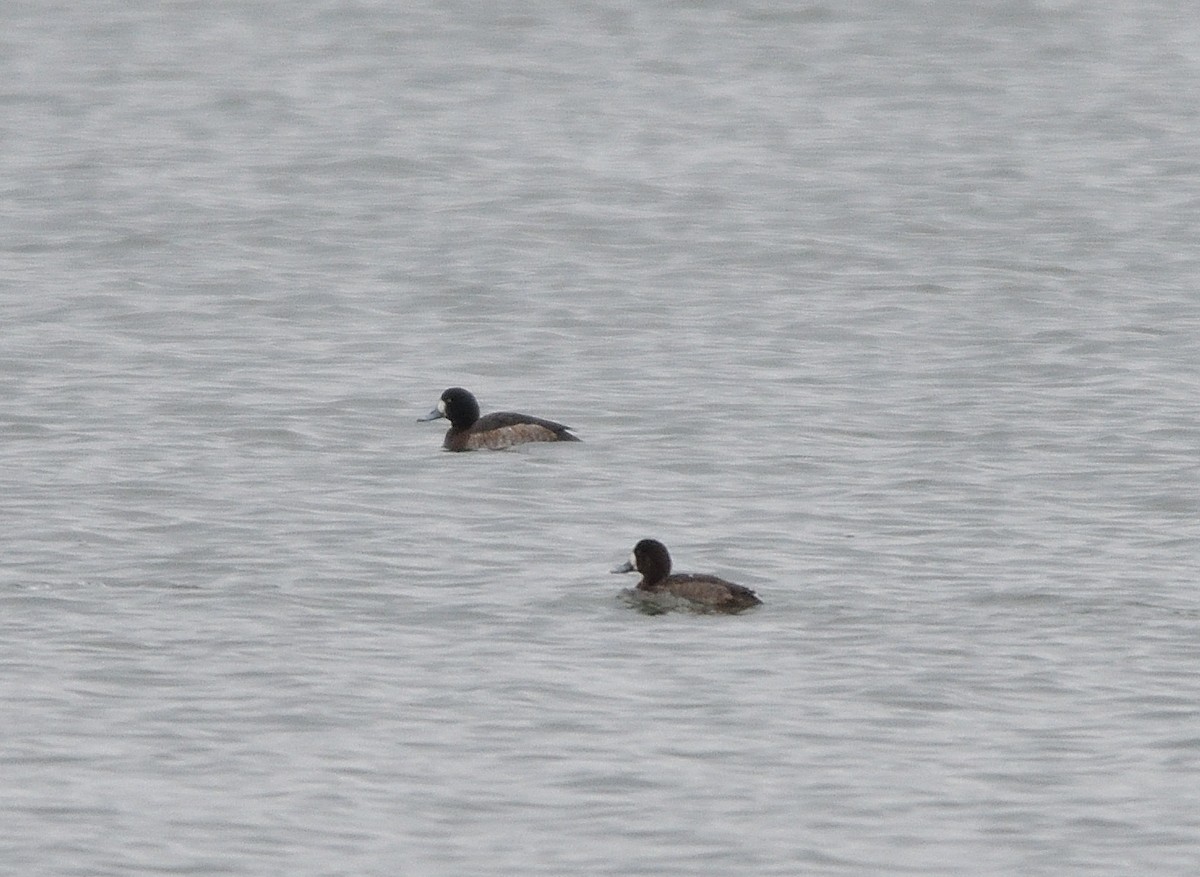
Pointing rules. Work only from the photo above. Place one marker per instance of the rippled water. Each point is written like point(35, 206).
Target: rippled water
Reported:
point(888, 311)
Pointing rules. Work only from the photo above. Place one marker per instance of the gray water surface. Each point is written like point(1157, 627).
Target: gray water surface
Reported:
point(889, 311)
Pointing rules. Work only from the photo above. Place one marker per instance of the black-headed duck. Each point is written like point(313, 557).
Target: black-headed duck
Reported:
point(707, 593)
point(470, 432)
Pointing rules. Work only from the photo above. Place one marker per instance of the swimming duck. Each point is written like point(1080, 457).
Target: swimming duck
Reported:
point(709, 593)
point(470, 432)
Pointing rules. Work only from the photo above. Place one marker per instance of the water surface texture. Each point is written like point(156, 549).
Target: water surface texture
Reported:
point(887, 310)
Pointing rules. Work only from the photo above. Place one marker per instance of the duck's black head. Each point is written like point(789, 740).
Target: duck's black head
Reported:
point(456, 405)
point(651, 558)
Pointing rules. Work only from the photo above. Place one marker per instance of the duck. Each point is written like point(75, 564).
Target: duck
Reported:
point(702, 592)
point(502, 429)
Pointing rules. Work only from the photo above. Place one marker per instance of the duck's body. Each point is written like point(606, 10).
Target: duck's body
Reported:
point(503, 429)
point(706, 592)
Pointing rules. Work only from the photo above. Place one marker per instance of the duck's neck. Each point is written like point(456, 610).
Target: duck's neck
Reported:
point(653, 576)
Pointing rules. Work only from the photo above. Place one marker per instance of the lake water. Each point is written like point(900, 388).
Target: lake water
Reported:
point(887, 310)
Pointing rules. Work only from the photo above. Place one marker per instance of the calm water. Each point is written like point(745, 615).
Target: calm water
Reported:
point(890, 311)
